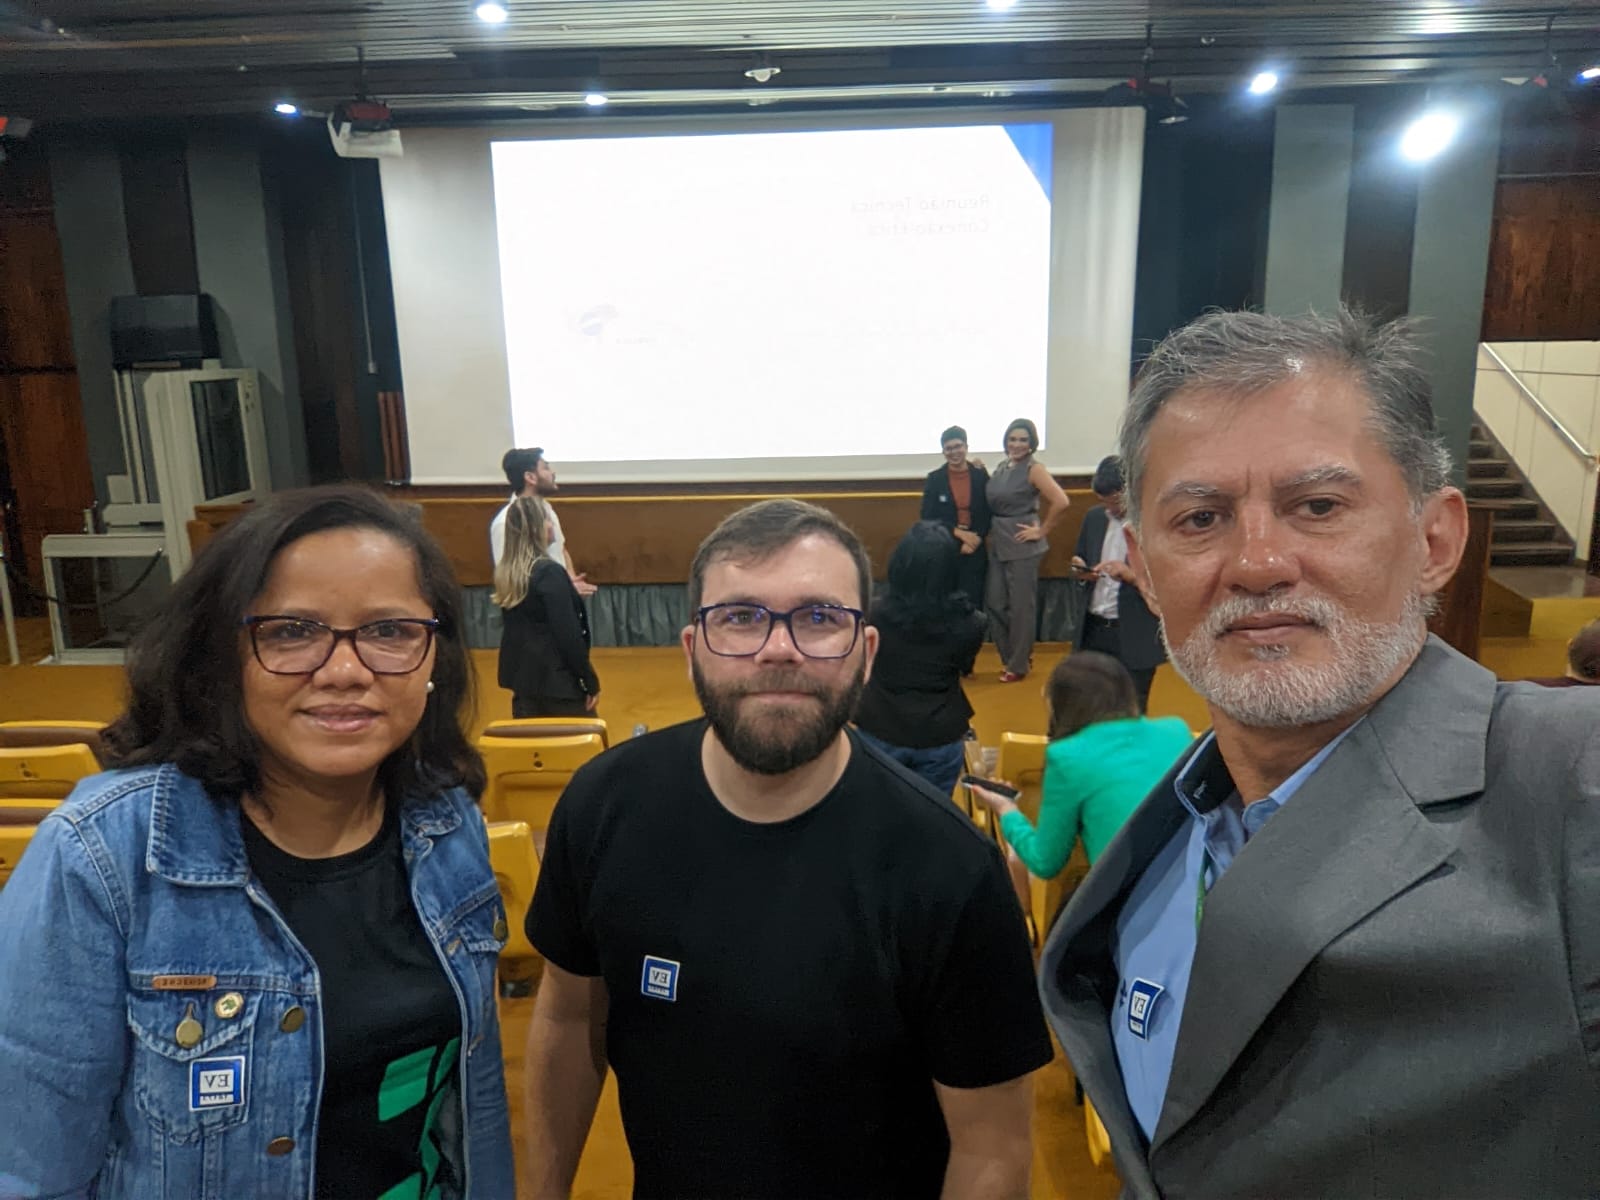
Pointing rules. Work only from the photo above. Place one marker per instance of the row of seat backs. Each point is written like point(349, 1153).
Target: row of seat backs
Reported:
point(44, 760)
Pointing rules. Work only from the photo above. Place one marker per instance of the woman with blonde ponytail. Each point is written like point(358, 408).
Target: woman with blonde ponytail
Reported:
point(544, 642)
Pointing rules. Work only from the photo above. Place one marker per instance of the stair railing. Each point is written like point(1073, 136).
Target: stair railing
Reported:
point(1565, 434)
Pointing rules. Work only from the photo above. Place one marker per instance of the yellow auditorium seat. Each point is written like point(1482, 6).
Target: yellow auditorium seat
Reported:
point(23, 734)
point(528, 774)
point(516, 870)
point(549, 727)
point(1021, 764)
point(44, 772)
point(1099, 1139)
point(19, 817)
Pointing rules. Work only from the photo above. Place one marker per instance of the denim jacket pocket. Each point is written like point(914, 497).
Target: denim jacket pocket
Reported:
point(190, 1091)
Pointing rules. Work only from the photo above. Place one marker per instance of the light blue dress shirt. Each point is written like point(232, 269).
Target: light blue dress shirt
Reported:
point(1157, 928)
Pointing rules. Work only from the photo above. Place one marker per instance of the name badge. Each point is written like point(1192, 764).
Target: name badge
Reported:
point(660, 978)
point(216, 1083)
point(1142, 997)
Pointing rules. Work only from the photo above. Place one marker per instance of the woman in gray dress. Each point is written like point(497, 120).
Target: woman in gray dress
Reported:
point(1016, 544)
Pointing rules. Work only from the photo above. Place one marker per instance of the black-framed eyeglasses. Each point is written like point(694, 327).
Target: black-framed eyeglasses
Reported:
point(817, 630)
point(301, 646)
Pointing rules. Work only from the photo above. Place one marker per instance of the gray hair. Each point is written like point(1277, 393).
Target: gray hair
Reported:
point(758, 531)
point(1242, 353)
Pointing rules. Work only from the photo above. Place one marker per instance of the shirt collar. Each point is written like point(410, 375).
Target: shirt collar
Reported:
point(1205, 783)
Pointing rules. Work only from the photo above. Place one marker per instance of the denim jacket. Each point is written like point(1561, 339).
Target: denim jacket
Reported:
point(133, 910)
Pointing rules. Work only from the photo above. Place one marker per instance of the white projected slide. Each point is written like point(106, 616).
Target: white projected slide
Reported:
point(774, 295)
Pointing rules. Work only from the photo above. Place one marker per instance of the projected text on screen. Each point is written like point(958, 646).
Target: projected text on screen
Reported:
point(774, 294)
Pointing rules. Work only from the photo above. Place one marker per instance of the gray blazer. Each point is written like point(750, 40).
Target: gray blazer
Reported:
point(1396, 990)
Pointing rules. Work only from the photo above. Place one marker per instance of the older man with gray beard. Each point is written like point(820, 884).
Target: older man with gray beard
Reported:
point(1348, 947)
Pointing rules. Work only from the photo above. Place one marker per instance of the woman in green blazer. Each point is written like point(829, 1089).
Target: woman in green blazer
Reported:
point(1102, 761)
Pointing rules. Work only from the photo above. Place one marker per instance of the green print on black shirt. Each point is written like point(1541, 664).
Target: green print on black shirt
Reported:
point(391, 1116)
point(419, 1081)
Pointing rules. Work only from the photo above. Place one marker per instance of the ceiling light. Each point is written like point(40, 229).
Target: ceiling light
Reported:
point(1590, 74)
point(596, 99)
point(284, 109)
point(1264, 82)
point(1001, 5)
point(763, 71)
point(1429, 135)
point(491, 12)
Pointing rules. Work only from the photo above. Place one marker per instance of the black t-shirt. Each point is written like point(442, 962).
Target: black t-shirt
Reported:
point(391, 1025)
point(783, 996)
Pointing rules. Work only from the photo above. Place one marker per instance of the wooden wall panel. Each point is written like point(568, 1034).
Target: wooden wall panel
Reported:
point(41, 427)
point(652, 539)
point(35, 323)
point(1544, 261)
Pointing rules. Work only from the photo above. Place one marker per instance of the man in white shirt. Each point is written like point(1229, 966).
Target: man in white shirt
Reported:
point(529, 473)
point(1118, 622)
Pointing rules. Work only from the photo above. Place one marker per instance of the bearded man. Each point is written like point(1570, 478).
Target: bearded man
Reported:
point(807, 968)
point(1348, 946)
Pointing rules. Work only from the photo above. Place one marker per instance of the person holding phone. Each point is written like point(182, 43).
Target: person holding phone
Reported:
point(1102, 761)
point(1119, 621)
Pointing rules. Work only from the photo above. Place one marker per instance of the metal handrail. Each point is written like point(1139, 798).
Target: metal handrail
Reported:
point(1554, 421)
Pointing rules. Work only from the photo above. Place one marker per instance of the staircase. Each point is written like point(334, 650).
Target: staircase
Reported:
point(1525, 534)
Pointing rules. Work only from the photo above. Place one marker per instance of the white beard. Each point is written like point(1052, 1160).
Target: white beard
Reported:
point(1279, 693)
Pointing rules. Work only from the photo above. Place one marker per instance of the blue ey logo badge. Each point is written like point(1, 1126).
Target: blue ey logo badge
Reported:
point(660, 978)
point(216, 1083)
point(1142, 998)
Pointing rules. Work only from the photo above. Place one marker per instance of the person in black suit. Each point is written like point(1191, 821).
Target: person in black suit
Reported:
point(1118, 621)
point(544, 640)
point(954, 495)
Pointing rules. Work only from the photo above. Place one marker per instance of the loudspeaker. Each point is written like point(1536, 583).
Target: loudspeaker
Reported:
point(152, 329)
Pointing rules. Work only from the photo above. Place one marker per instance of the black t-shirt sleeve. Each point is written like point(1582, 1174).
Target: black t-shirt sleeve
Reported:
point(981, 1021)
point(557, 923)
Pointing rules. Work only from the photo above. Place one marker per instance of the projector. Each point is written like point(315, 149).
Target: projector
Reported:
point(364, 129)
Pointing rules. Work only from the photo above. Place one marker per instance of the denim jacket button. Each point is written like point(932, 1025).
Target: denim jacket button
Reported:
point(500, 930)
point(280, 1146)
point(293, 1019)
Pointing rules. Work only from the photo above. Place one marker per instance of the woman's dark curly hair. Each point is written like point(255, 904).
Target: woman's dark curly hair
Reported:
point(186, 666)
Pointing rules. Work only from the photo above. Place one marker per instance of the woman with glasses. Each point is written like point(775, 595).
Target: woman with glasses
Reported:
point(913, 708)
point(544, 638)
point(258, 958)
point(1017, 545)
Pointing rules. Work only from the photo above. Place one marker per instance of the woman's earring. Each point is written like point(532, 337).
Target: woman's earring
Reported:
point(430, 687)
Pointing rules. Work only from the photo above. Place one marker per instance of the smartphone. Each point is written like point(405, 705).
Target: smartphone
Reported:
point(993, 785)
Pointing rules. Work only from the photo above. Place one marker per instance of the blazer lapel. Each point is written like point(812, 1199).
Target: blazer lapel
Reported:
point(1077, 979)
point(1350, 840)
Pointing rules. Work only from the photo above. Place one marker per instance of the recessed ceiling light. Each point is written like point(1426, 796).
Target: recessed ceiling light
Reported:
point(1001, 5)
point(1264, 82)
point(596, 99)
point(284, 109)
point(491, 12)
point(1589, 74)
point(1429, 135)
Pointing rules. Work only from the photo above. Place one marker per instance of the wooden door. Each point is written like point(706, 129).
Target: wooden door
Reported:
point(45, 479)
